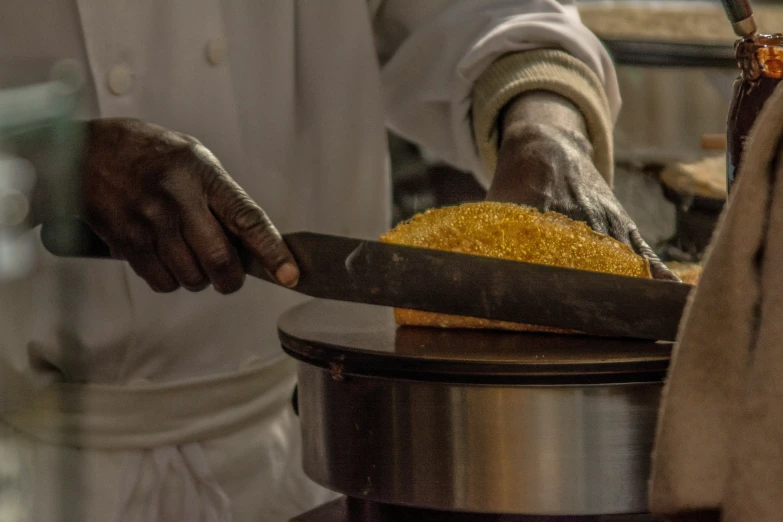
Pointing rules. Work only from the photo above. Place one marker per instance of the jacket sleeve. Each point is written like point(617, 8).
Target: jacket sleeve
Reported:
point(448, 67)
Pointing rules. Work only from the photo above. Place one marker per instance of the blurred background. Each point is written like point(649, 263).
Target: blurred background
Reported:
point(676, 67)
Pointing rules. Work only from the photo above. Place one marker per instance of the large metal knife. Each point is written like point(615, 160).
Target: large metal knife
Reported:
point(372, 272)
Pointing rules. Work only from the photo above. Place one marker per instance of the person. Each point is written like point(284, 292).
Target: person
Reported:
point(120, 403)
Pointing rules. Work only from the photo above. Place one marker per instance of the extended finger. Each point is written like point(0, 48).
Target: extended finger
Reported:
point(239, 214)
point(657, 267)
point(182, 263)
point(213, 250)
point(162, 216)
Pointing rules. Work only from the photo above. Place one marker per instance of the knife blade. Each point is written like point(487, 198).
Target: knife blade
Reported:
point(372, 272)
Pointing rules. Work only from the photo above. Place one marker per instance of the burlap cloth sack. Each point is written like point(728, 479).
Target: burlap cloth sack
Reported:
point(719, 448)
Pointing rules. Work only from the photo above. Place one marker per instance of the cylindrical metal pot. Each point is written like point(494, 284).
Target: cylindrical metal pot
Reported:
point(410, 423)
point(479, 448)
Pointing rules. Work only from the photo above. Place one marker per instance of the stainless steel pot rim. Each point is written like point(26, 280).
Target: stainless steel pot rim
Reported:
point(512, 381)
point(351, 339)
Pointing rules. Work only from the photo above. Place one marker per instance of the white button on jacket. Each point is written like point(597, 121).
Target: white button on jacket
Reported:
point(216, 51)
point(120, 79)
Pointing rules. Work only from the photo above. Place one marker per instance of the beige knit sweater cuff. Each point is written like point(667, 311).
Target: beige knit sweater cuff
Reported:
point(548, 70)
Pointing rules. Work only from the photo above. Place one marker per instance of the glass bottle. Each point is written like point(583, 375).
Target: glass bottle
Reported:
point(760, 58)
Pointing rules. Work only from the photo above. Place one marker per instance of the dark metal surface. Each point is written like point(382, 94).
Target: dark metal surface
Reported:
point(423, 279)
point(662, 54)
point(372, 272)
point(345, 509)
point(349, 338)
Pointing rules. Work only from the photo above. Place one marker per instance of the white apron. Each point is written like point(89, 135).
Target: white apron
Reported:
point(185, 398)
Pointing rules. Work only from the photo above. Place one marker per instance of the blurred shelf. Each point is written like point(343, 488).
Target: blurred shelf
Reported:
point(664, 54)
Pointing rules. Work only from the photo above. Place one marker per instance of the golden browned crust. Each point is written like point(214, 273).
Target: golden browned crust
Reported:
point(688, 272)
point(418, 318)
point(509, 231)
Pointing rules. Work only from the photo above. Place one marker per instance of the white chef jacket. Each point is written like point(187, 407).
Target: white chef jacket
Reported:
point(182, 400)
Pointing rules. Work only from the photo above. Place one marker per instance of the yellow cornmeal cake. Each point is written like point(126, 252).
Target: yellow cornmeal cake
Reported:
point(688, 272)
point(510, 231)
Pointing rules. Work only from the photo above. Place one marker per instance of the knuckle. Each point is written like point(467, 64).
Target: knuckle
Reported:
point(255, 227)
point(272, 246)
point(187, 156)
point(218, 184)
point(154, 211)
point(545, 147)
point(188, 138)
point(219, 258)
point(194, 165)
point(247, 216)
point(160, 219)
point(203, 156)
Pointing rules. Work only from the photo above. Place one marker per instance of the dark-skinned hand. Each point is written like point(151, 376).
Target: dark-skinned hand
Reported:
point(164, 203)
point(545, 161)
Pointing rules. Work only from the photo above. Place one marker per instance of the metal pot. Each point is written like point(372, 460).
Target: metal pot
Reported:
point(473, 421)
